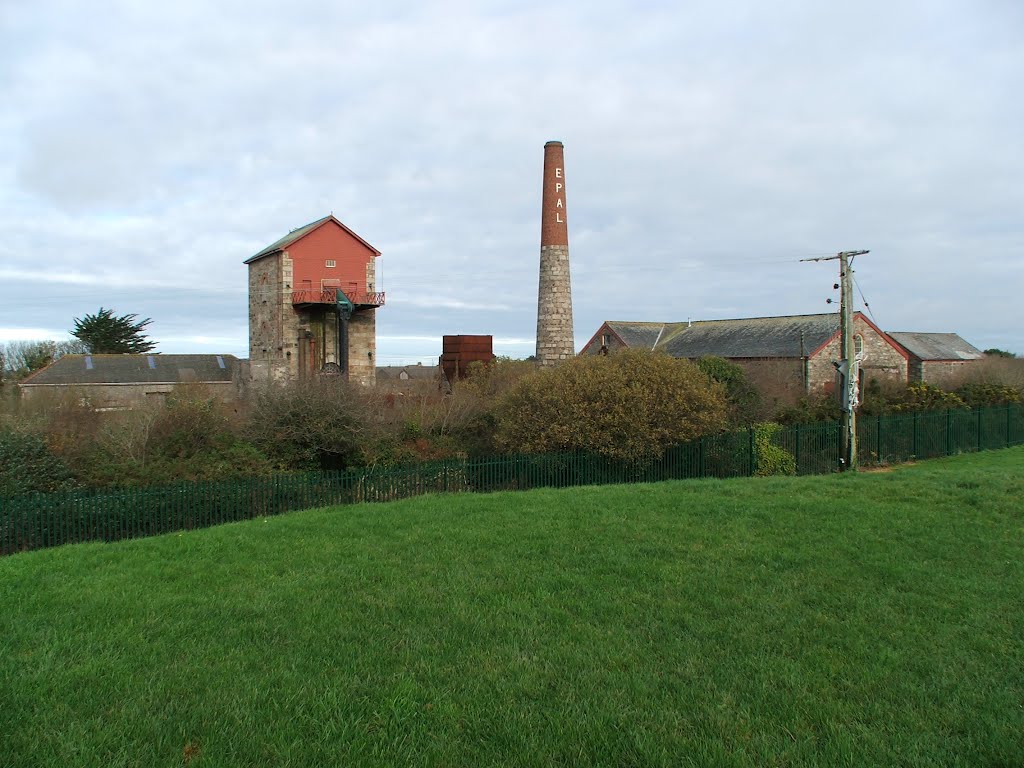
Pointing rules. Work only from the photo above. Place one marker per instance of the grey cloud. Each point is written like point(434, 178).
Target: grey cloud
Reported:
point(708, 148)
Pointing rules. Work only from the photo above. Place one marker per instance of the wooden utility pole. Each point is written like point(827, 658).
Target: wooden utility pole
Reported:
point(848, 363)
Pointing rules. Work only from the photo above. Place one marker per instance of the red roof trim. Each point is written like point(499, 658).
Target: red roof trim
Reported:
point(885, 337)
point(604, 328)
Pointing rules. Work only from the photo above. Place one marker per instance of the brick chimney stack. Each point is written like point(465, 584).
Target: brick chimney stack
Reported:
point(554, 299)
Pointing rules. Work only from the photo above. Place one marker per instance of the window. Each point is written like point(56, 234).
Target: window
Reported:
point(331, 263)
point(604, 339)
point(858, 345)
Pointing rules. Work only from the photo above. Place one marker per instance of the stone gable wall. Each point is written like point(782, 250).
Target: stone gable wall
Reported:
point(881, 360)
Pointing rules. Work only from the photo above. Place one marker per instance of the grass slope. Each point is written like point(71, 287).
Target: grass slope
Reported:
point(874, 619)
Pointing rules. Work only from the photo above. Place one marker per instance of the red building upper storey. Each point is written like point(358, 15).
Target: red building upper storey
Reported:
point(328, 257)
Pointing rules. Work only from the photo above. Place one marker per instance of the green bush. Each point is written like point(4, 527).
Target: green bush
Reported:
point(921, 396)
point(28, 465)
point(984, 394)
point(309, 425)
point(631, 405)
point(771, 459)
point(810, 410)
point(745, 400)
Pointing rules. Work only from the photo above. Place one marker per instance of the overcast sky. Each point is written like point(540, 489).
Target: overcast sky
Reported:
point(147, 149)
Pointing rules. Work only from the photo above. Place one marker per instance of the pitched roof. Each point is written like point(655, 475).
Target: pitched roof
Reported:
point(301, 232)
point(754, 337)
point(936, 346)
point(420, 372)
point(636, 334)
point(134, 369)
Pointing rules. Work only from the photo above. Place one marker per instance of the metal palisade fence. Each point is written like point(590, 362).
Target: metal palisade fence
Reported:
point(35, 521)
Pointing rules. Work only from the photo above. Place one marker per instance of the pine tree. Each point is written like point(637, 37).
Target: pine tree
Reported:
point(106, 334)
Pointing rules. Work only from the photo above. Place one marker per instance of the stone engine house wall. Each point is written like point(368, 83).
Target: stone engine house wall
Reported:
point(290, 341)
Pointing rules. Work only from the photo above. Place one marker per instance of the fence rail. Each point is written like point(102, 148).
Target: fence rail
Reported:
point(35, 521)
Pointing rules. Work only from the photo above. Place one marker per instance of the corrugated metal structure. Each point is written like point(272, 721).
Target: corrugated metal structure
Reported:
point(458, 352)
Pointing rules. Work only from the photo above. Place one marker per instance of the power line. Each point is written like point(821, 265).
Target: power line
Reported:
point(864, 301)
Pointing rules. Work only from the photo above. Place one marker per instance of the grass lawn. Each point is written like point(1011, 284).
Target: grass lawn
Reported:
point(870, 619)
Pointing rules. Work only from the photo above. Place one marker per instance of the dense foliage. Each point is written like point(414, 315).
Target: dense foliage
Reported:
point(745, 402)
point(317, 424)
point(631, 405)
point(27, 464)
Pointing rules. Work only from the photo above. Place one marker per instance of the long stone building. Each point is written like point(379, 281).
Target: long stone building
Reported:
point(312, 305)
point(791, 356)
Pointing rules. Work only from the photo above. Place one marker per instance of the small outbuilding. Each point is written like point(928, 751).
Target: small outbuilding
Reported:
point(936, 358)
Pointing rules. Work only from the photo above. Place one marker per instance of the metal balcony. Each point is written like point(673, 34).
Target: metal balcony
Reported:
point(358, 297)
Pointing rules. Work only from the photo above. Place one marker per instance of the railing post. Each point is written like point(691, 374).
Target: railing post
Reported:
point(796, 453)
point(1009, 410)
point(979, 427)
point(949, 432)
point(913, 439)
point(750, 451)
point(700, 456)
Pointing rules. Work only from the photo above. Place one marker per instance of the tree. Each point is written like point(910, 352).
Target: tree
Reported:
point(631, 405)
point(107, 334)
point(999, 353)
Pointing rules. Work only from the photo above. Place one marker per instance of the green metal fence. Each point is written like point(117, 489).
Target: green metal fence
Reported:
point(35, 521)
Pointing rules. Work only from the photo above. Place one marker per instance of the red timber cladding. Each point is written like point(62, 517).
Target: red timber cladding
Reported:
point(329, 242)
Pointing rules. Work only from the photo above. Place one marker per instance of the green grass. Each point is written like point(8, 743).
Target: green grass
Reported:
point(875, 619)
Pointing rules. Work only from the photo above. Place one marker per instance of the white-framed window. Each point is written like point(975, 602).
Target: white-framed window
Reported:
point(331, 263)
point(858, 345)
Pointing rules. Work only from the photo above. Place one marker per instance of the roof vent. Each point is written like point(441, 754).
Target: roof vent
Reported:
point(220, 361)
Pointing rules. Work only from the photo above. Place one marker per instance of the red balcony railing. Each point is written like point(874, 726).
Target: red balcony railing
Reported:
point(360, 298)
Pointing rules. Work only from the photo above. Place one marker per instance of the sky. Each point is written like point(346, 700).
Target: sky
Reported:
point(147, 149)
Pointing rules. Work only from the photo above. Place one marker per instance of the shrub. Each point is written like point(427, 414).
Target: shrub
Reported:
point(983, 394)
point(744, 398)
point(316, 424)
point(631, 405)
point(27, 464)
point(771, 459)
point(191, 422)
point(810, 410)
point(921, 396)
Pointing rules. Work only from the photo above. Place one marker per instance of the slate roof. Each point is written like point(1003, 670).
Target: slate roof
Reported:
point(753, 337)
point(936, 346)
point(301, 232)
point(415, 372)
point(642, 335)
point(135, 369)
